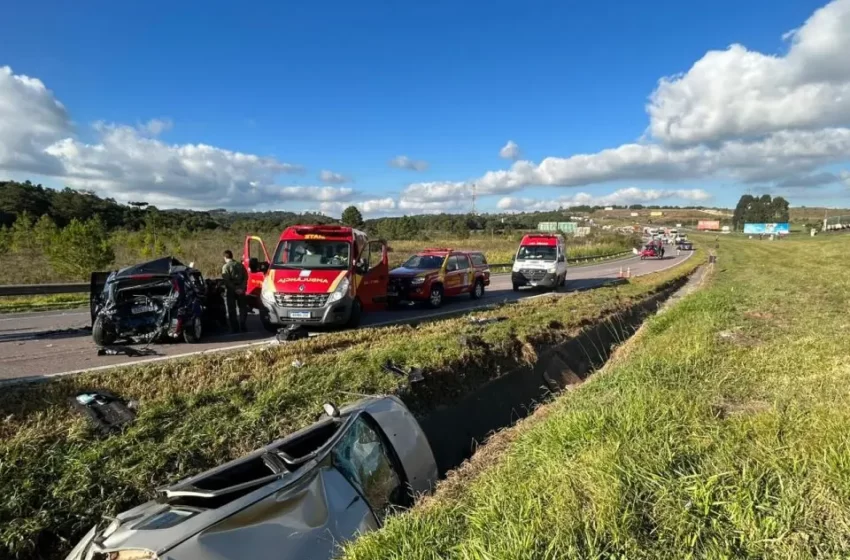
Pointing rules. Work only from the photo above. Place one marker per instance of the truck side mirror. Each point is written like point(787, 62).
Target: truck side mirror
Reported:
point(513, 258)
point(361, 267)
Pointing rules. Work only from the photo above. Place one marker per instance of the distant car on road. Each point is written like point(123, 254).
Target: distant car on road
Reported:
point(297, 498)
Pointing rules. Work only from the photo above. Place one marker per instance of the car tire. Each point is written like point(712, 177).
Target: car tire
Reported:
point(564, 280)
point(477, 290)
point(435, 297)
point(516, 287)
point(193, 331)
point(102, 332)
point(356, 314)
point(265, 319)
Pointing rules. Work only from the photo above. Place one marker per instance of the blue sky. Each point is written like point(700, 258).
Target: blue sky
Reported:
point(346, 87)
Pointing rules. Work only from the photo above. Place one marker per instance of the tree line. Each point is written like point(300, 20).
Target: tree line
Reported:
point(760, 210)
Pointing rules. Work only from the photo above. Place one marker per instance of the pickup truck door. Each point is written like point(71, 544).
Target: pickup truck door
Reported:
point(256, 260)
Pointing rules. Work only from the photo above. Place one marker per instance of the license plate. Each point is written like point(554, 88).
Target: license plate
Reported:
point(142, 309)
point(299, 314)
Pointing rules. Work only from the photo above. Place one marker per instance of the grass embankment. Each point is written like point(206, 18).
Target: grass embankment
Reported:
point(14, 304)
point(57, 478)
point(721, 432)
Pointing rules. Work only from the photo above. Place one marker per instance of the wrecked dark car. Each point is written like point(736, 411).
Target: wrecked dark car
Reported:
point(148, 302)
point(298, 498)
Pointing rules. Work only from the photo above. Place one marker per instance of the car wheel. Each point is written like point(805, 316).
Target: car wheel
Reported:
point(564, 281)
point(516, 287)
point(356, 313)
point(193, 331)
point(265, 319)
point(477, 290)
point(435, 298)
point(102, 332)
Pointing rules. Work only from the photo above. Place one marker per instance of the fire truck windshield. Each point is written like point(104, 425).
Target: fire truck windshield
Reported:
point(312, 254)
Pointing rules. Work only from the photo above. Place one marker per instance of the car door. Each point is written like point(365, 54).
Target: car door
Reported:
point(452, 280)
point(466, 272)
point(256, 261)
point(372, 289)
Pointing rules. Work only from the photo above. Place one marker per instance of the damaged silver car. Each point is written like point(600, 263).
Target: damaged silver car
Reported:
point(297, 498)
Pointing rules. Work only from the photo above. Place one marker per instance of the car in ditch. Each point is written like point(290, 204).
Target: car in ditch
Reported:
point(297, 498)
point(148, 302)
point(434, 274)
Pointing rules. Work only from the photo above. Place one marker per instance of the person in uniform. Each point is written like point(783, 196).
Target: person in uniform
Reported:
point(235, 279)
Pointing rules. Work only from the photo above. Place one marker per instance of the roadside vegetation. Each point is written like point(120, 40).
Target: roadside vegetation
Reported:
point(721, 431)
point(58, 477)
point(15, 304)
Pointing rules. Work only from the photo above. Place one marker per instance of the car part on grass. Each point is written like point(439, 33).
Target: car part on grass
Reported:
point(105, 410)
point(292, 333)
point(299, 497)
point(148, 302)
point(485, 320)
point(413, 375)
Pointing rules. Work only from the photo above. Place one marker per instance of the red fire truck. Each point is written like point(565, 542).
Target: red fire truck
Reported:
point(318, 275)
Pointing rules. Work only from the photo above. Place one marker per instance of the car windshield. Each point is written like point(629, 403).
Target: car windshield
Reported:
point(424, 261)
point(312, 254)
point(537, 252)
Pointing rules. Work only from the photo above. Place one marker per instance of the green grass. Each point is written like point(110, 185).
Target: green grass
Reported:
point(720, 432)
point(57, 478)
point(13, 304)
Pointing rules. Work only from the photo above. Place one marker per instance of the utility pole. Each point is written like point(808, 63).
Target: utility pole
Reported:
point(825, 210)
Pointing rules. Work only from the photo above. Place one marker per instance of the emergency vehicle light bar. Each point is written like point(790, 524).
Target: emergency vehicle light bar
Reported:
point(437, 250)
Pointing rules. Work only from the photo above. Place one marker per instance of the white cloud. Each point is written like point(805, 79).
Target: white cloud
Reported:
point(510, 151)
point(130, 163)
point(845, 177)
point(332, 178)
point(621, 197)
point(155, 127)
point(738, 93)
point(370, 207)
point(404, 162)
point(30, 118)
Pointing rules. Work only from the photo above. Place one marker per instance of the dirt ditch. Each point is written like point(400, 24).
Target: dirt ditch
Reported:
point(455, 429)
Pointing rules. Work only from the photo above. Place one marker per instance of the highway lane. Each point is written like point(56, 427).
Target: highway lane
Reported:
point(39, 344)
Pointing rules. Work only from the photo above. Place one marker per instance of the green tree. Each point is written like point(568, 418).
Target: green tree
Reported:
point(44, 233)
point(21, 234)
point(81, 248)
point(352, 217)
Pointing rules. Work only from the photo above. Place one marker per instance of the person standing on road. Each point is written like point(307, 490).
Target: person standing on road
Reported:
point(235, 280)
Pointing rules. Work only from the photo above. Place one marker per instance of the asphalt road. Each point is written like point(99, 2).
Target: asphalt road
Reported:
point(45, 344)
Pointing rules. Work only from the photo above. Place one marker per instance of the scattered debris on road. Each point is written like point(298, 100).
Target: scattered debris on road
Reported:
point(105, 410)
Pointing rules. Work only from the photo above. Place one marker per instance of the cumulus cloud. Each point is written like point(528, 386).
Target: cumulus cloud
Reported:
point(131, 163)
point(404, 162)
point(811, 180)
point(739, 93)
point(30, 118)
point(621, 197)
point(332, 178)
point(371, 207)
point(510, 151)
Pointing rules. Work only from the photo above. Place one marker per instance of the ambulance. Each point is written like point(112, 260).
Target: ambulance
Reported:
point(540, 261)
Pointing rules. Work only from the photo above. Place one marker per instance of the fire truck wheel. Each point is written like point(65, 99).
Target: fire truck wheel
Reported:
point(435, 299)
point(267, 324)
point(356, 312)
point(478, 289)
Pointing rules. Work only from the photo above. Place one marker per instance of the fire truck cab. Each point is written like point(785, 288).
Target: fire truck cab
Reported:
point(318, 275)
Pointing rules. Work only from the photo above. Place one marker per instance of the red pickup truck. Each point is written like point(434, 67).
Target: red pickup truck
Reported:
point(433, 274)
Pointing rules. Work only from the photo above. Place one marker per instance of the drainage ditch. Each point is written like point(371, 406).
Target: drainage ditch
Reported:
point(455, 429)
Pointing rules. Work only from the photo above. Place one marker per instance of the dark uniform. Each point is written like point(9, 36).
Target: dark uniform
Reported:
point(235, 279)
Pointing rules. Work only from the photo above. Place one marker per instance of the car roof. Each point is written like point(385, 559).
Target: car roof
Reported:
point(445, 251)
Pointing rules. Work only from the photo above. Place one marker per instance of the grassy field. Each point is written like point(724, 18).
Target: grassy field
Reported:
point(42, 303)
point(721, 431)
point(199, 412)
point(204, 249)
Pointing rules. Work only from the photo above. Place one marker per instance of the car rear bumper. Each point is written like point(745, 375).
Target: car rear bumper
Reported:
point(336, 313)
point(535, 278)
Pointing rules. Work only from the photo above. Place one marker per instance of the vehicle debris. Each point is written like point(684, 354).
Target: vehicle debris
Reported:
point(292, 333)
point(126, 351)
point(413, 375)
point(299, 497)
point(485, 320)
point(105, 410)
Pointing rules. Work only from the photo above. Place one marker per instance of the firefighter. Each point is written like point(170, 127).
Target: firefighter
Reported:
point(235, 280)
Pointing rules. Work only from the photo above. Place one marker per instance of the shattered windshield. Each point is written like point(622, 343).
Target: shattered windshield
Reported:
point(312, 254)
point(537, 253)
point(424, 262)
